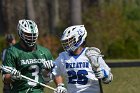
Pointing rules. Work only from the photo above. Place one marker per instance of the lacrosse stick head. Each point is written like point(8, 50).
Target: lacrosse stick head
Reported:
point(93, 54)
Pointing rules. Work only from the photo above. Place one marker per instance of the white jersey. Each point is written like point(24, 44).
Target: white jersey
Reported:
point(78, 72)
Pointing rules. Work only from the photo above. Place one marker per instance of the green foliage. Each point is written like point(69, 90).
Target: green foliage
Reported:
point(131, 48)
point(123, 49)
point(112, 25)
point(114, 28)
point(116, 50)
point(133, 14)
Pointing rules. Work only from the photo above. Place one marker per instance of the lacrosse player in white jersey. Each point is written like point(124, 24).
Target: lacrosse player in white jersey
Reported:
point(81, 66)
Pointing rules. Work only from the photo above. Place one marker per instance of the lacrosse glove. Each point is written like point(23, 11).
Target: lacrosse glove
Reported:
point(60, 89)
point(15, 74)
point(100, 73)
point(108, 79)
point(48, 65)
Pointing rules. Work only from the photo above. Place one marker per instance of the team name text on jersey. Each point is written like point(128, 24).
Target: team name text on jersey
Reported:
point(77, 65)
point(32, 61)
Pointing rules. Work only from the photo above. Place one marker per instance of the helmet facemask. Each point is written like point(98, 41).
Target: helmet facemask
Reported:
point(68, 44)
point(73, 37)
point(29, 38)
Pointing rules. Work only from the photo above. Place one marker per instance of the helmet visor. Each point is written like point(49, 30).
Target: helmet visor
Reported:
point(68, 44)
point(29, 38)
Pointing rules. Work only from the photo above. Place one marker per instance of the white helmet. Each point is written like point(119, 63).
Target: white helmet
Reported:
point(28, 32)
point(73, 37)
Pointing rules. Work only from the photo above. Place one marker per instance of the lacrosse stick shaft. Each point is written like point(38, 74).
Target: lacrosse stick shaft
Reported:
point(8, 71)
point(96, 65)
point(100, 81)
point(38, 82)
point(100, 84)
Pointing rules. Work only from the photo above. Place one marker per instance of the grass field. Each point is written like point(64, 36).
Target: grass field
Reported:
point(126, 80)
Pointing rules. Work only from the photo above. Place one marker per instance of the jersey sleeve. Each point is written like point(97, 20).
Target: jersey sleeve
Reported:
point(49, 55)
point(104, 66)
point(108, 76)
point(57, 69)
point(9, 59)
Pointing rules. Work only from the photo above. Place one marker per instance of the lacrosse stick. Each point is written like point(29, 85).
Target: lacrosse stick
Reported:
point(8, 70)
point(94, 64)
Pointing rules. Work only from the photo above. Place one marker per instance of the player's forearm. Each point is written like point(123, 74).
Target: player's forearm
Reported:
point(6, 78)
point(45, 72)
point(58, 80)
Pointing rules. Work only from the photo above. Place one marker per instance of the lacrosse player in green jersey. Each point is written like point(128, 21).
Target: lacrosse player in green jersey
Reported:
point(27, 58)
point(10, 40)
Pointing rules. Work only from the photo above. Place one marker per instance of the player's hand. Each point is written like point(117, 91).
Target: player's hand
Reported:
point(100, 73)
point(15, 74)
point(108, 79)
point(48, 65)
point(60, 89)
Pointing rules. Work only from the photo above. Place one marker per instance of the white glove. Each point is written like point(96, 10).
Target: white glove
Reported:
point(48, 65)
point(100, 73)
point(15, 74)
point(108, 79)
point(60, 89)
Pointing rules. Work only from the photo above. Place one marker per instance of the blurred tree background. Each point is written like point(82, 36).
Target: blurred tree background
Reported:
point(112, 25)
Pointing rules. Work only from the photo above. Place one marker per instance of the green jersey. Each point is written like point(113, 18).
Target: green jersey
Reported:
point(29, 64)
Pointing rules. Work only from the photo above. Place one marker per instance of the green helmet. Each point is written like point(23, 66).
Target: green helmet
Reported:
point(28, 32)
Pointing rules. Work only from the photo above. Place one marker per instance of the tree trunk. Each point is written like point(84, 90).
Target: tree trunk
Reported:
point(2, 23)
point(29, 8)
point(75, 12)
point(53, 12)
